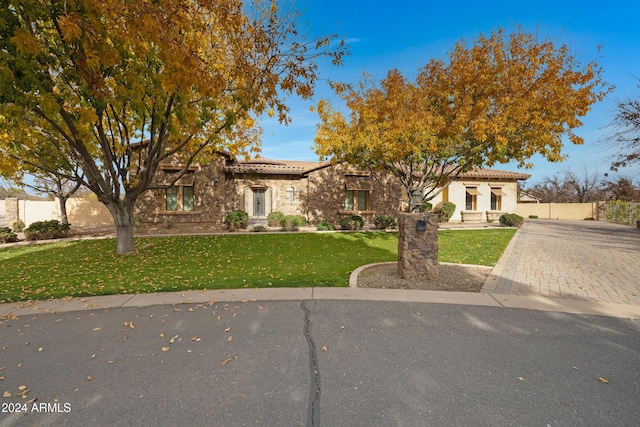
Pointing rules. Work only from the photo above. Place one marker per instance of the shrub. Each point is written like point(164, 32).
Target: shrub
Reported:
point(352, 222)
point(292, 222)
point(385, 221)
point(426, 207)
point(7, 236)
point(259, 229)
point(445, 211)
point(325, 225)
point(18, 226)
point(511, 220)
point(533, 216)
point(236, 219)
point(274, 218)
point(43, 230)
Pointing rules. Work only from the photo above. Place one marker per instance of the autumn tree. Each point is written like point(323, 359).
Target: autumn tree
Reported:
point(504, 97)
point(124, 84)
point(626, 136)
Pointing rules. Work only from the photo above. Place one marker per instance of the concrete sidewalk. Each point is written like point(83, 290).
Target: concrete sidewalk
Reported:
point(534, 302)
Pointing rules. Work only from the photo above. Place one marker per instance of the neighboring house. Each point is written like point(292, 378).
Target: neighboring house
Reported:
point(528, 198)
point(316, 190)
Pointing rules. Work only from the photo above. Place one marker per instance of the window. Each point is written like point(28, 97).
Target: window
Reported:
point(179, 198)
point(496, 199)
point(356, 200)
point(291, 195)
point(171, 198)
point(471, 200)
point(356, 193)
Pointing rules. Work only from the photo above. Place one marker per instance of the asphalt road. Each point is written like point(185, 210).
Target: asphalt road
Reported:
point(320, 363)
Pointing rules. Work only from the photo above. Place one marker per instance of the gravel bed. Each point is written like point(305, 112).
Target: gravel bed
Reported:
point(458, 278)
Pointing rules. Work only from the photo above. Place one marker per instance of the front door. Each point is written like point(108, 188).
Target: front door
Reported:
point(258, 202)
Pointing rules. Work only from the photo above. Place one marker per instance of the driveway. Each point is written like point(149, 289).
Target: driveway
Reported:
point(594, 261)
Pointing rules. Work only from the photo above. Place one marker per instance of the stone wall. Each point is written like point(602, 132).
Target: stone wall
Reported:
point(418, 246)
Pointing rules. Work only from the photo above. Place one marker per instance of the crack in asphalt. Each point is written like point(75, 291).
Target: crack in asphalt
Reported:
point(313, 413)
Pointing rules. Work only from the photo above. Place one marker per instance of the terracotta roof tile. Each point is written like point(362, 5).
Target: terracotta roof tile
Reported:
point(275, 167)
point(494, 174)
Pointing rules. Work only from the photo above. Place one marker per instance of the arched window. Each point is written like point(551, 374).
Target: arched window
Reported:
point(291, 195)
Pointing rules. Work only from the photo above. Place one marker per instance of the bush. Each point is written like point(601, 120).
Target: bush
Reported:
point(325, 225)
point(511, 220)
point(18, 226)
point(385, 221)
point(259, 229)
point(426, 207)
point(533, 216)
point(292, 222)
point(236, 219)
point(44, 230)
point(7, 236)
point(445, 211)
point(274, 218)
point(352, 222)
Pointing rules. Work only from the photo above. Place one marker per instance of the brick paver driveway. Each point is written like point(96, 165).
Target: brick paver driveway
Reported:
point(590, 260)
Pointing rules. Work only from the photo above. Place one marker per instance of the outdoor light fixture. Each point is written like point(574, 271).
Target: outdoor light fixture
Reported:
point(421, 225)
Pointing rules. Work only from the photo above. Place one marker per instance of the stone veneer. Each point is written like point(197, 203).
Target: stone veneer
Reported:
point(418, 250)
point(12, 211)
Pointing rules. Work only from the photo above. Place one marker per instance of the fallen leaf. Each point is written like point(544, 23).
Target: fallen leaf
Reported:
point(602, 380)
point(93, 356)
point(110, 362)
point(230, 338)
point(228, 329)
point(41, 349)
point(162, 335)
point(197, 339)
point(129, 325)
point(8, 393)
point(22, 387)
point(224, 362)
point(96, 329)
point(324, 348)
point(521, 379)
point(89, 378)
point(575, 368)
point(166, 348)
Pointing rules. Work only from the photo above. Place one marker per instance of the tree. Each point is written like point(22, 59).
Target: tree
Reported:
point(626, 136)
point(503, 98)
point(569, 188)
point(622, 189)
point(185, 77)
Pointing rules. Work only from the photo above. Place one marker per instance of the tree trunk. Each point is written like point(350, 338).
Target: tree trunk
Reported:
point(122, 213)
point(62, 201)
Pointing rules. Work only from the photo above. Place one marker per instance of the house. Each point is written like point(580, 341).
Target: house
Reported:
point(200, 198)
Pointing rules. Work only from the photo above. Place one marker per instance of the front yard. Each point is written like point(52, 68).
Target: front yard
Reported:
point(91, 267)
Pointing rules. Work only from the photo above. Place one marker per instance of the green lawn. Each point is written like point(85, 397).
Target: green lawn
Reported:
point(91, 267)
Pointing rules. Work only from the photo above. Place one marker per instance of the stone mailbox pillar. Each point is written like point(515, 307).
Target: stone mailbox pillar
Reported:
point(418, 246)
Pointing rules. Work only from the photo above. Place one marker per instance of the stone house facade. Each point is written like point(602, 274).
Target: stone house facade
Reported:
point(199, 199)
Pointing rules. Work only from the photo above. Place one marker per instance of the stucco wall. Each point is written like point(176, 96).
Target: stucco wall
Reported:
point(574, 211)
point(457, 196)
point(80, 212)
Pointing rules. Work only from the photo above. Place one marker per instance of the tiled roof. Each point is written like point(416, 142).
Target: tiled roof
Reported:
point(493, 174)
point(295, 167)
point(275, 167)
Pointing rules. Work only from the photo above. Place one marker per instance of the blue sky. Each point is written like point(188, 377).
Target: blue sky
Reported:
point(407, 34)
